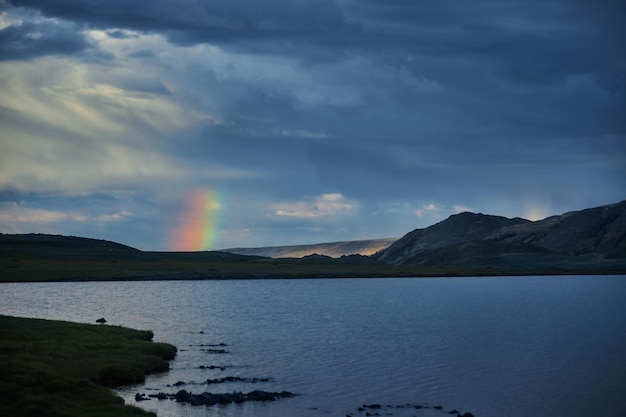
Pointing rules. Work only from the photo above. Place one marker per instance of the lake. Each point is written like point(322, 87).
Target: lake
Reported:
point(497, 346)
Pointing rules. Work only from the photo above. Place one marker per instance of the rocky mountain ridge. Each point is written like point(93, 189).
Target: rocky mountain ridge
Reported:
point(591, 236)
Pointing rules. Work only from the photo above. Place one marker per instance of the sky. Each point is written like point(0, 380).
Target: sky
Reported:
point(204, 124)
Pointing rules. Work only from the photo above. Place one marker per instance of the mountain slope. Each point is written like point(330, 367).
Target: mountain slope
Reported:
point(600, 230)
point(457, 229)
point(586, 237)
point(334, 249)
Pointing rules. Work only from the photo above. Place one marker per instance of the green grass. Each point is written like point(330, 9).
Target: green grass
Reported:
point(61, 369)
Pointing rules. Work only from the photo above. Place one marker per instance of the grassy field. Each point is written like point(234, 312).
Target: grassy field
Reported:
point(32, 258)
point(61, 369)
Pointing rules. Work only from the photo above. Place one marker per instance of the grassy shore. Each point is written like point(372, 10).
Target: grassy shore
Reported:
point(61, 369)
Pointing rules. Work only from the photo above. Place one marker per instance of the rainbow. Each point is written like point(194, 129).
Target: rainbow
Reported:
point(198, 224)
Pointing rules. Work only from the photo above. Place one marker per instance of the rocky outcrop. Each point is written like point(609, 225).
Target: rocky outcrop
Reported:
point(371, 410)
point(208, 398)
point(235, 379)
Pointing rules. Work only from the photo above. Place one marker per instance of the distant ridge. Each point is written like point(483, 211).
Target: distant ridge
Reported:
point(590, 241)
point(585, 238)
point(334, 249)
point(66, 244)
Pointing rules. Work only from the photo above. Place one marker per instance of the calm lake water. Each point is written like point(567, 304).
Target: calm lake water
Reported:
point(500, 346)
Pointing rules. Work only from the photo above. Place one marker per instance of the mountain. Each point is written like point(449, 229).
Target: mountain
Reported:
point(334, 249)
point(594, 237)
point(457, 229)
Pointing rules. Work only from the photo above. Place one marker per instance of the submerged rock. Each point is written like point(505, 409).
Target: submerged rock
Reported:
point(221, 368)
point(214, 350)
point(182, 396)
point(208, 398)
point(366, 407)
point(235, 379)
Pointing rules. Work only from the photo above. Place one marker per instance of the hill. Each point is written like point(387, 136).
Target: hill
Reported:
point(457, 229)
point(591, 241)
point(590, 238)
point(334, 249)
point(41, 257)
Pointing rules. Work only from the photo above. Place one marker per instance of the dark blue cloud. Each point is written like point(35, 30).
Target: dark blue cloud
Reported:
point(392, 103)
point(30, 40)
point(196, 21)
point(121, 34)
point(534, 43)
point(144, 53)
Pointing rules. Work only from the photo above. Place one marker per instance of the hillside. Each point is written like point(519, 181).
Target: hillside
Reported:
point(334, 249)
point(590, 238)
point(591, 241)
point(41, 257)
point(457, 229)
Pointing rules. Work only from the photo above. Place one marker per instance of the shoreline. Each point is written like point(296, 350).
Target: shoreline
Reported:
point(51, 367)
point(195, 276)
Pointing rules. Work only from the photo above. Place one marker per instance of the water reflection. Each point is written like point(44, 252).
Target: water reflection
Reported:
point(540, 346)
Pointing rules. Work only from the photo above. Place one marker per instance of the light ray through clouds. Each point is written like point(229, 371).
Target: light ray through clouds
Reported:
point(323, 119)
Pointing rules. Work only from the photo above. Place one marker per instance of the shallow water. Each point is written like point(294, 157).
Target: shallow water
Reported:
point(499, 346)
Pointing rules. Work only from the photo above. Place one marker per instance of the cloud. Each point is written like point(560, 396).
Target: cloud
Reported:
point(121, 34)
point(301, 133)
point(114, 217)
point(102, 214)
point(521, 45)
point(29, 40)
point(74, 130)
point(15, 215)
point(324, 206)
point(394, 104)
point(430, 208)
point(200, 21)
point(438, 211)
point(462, 209)
point(22, 217)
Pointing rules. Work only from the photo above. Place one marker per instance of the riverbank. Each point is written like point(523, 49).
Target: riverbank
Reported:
point(54, 368)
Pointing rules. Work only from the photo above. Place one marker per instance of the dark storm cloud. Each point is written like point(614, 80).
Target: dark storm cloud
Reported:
point(30, 40)
point(121, 34)
point(143, 85)
point(191, 21)
point(534, 43)
point(144, 53)
point(393, 110)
